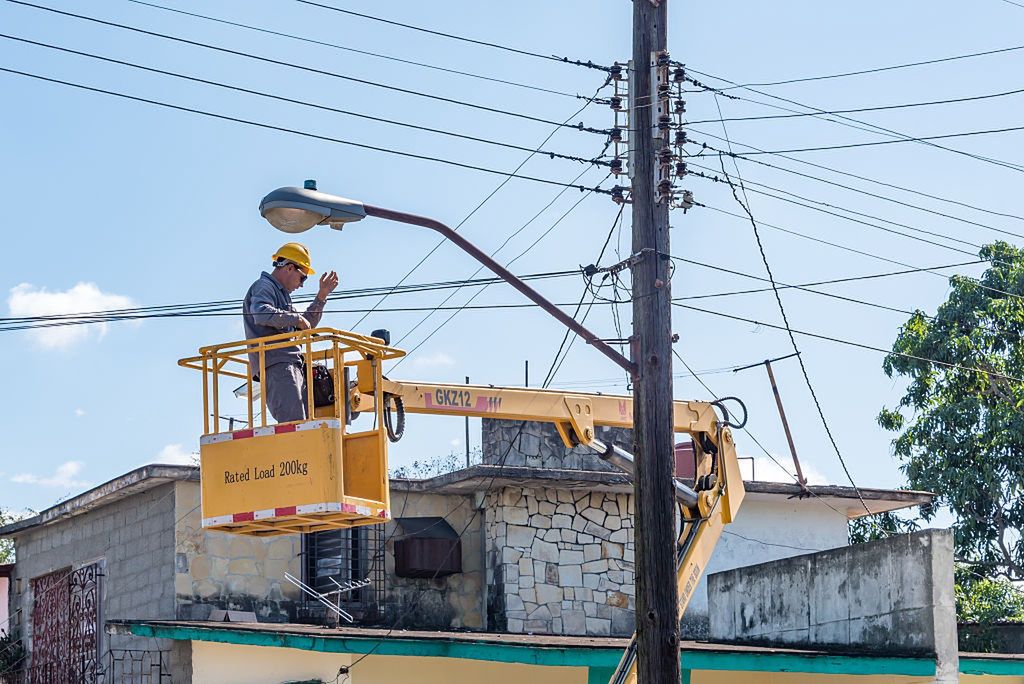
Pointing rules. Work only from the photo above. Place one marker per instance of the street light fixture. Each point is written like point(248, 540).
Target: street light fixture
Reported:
point(295, 210)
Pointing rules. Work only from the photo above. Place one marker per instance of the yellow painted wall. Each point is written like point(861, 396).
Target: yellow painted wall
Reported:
point(708, 677)
point(214, 663)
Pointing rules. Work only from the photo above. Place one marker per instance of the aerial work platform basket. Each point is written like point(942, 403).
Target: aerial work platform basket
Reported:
point(301, 476)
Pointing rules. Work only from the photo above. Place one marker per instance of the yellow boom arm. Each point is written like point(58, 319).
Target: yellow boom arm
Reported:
point(712, 503)
point(574, 415)
point(318, 473)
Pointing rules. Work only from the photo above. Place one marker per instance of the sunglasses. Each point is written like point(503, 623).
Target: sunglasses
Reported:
point(302, 274)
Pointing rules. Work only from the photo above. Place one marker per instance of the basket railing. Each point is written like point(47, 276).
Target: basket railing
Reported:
point(338, 350)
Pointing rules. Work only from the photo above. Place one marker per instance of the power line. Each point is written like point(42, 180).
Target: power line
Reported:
point(231, 307)
point(765, 543)
point(353, 50)
point(480, 268)
point(497, 189)
point(452, 36)
point(867, 193)
point(759, 444)
point(479, 292)
point(305, 103)
point(858, 110)
point(792, 338)
point(806, 287)
point(336, 296)
point(853, 250)
point(875, 143)
point(293, 131)
point(810, 204)
point(861, 178)
point(555, 367)
point(778, 299)
point(876, 70)
point(850, 343)
point(472, 519)
point(858, 124)
point(309, 69)
point(729, 152)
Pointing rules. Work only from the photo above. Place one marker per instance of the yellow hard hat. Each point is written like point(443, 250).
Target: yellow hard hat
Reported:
point(296, 253)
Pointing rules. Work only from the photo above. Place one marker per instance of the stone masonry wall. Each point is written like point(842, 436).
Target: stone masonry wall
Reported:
point(231, 571)
point(561, 562)
point(539, 446)
point(133, 537)
point(444, 603)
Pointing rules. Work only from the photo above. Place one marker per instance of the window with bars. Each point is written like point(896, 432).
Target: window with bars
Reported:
point(66, 625)
point(350, 555)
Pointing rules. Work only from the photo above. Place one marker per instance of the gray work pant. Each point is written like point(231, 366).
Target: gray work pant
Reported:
point(286, 391)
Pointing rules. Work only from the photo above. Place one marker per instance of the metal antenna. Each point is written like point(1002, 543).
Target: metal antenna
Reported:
point(322, 597)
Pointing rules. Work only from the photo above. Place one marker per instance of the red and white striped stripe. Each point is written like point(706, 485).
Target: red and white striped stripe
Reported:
point(269, 430)
point(307, 509)
point(285, 511)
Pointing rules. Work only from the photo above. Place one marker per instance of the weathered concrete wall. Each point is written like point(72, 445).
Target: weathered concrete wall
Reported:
point(134, 538)
point(894, 595)
point(766, 531)
point(562, 561)
point(539, 446)
point(451, 602)
point(230, 571)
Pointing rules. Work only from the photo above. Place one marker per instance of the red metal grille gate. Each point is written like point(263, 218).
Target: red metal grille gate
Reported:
point(65, 626)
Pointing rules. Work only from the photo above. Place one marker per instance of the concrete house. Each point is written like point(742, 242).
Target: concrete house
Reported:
point(536, 539)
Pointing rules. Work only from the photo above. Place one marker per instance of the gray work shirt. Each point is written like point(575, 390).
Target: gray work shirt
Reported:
point(268, 310)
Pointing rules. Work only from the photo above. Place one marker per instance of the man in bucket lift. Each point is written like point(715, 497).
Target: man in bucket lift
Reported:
point(268, 310)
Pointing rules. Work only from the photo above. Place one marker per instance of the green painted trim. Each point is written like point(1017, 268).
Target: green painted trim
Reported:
point(598, 660)
point(991, 666)
point(819, 664)
point(394, 645)
point(684, 676)
point(600, 675)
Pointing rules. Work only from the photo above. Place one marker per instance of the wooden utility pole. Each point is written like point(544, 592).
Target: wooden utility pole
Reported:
point(657, 618)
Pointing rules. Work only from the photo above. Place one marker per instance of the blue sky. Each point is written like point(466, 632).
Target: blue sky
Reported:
point(108, 202)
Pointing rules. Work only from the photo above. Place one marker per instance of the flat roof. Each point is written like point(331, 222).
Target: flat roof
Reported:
point(134, 481)
point(568, 651)
point(485, 476)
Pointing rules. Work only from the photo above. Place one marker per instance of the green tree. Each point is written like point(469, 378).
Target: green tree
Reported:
point(7, 545)
point(982, 603)
point(960, 421)
point(880, 526)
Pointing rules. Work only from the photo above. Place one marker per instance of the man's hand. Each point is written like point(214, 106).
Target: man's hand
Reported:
point(302, 323)
point(328, 281)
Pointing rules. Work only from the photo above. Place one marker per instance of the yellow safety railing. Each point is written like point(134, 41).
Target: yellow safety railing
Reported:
point(336, 349)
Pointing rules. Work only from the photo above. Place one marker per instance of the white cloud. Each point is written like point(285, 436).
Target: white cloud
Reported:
point(79, 412)
point(767, 470)
point(63, 476)
point(435, 360)
point(456, 442)
point(28, 300)
point(175, 454)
